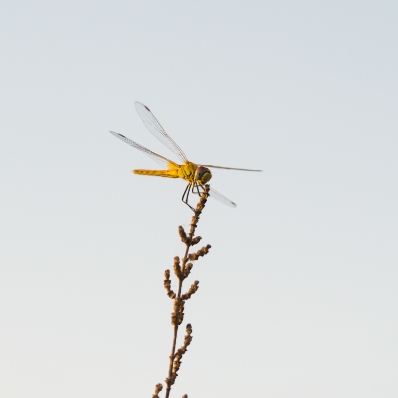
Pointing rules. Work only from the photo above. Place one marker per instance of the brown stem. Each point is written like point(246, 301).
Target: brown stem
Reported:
point(173, 349)
point(189, 241)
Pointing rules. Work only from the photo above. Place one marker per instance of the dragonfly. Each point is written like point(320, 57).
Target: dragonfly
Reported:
point(196, 175)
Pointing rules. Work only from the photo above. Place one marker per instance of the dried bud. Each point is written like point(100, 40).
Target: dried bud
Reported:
point(158, 388)
point(195, 240)
point(194, 287)
point(177, 267)
point(167, 284)
point(178, 315)
point(170, 381)
point(193, 256)
point(187, 270)
point(194, 222)
point(182, 234)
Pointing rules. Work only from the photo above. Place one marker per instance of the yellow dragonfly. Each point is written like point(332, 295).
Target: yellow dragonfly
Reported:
point(195, 175)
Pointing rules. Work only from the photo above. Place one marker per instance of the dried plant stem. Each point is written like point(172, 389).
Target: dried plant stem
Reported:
point(170, 373)
point(182, 272)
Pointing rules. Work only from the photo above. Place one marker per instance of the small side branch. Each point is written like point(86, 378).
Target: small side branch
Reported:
point(196, 240)
point(167, 284)
point(181, 351)
point(194, 287)
point(200, 253)
point(158, 388)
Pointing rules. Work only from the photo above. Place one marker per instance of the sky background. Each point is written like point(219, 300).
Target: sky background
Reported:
point(298, 296)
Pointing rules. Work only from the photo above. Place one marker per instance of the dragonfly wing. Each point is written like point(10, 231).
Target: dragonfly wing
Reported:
point(227, 168)
point(158, 131)
point(162, 161)
point(217, 195)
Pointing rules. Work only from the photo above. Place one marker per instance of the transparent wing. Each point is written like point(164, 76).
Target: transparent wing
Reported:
point(162, 161)
point(157, 130)
point(217, 195)
point(227, 168)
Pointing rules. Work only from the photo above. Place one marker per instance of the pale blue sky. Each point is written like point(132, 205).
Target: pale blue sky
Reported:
point(298, 296)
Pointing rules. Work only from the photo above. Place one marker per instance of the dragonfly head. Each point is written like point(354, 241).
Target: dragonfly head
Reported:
point(202, 175)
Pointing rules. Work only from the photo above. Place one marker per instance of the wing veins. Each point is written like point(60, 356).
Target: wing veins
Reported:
point(220, 197)
point(154, 127)
point(227, 168)
point(161, 160)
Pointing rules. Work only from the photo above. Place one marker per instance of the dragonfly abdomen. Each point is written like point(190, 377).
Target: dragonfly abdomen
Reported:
point(157, 173)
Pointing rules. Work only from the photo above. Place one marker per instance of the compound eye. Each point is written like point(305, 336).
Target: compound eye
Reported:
point(202, 174)
point(199, 172)
point(206, 176)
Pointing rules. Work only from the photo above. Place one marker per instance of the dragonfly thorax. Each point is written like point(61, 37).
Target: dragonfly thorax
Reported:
point(202, 175)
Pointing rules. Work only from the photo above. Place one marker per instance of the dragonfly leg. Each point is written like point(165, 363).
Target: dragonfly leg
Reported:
point(183, 195)
point(186, 195)
point(197, 187)
point(197, 190)
point(189, 190)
